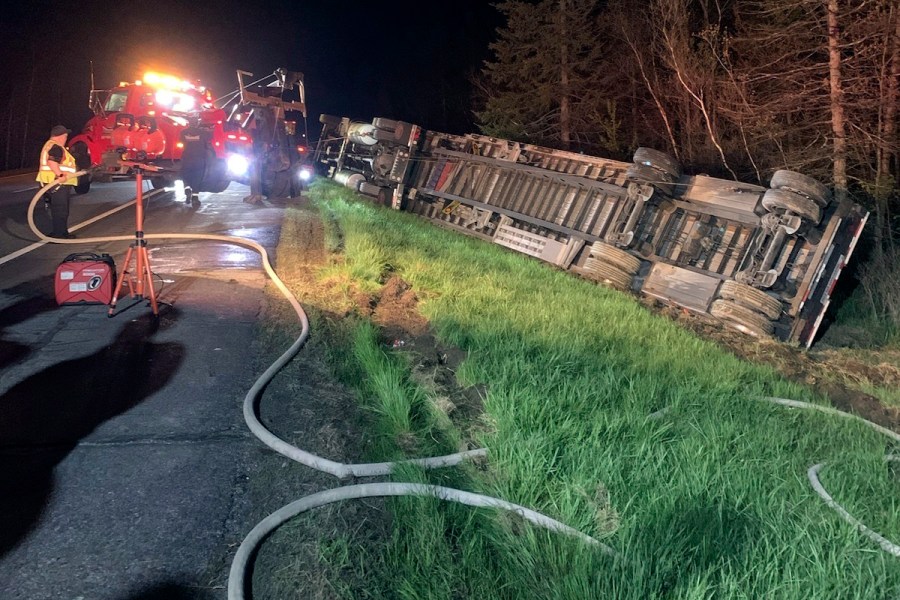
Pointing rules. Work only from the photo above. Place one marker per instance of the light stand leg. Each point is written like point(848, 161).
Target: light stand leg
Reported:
point(124, 274)
point(142, 274)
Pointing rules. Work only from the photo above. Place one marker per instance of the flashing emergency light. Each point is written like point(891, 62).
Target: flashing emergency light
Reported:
point(163, 80)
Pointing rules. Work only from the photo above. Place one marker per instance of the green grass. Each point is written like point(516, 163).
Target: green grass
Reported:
point(710, 500)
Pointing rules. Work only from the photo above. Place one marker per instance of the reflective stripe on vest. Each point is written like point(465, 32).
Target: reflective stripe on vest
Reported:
point(46, 175)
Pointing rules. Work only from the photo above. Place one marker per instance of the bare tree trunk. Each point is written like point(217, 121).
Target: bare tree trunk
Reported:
point(9, 123)
point(28, 109)
point(638, 57)
point(674, 35)
point(886, 151)
point(565, 109)
point(701, 103)
point(837, 103)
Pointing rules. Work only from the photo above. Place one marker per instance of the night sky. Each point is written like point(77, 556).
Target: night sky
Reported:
point(404, 59)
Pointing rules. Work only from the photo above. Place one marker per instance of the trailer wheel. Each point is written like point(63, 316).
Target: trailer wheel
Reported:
point(617, 257)
point(82, 162)
point(801, 184)
point(658, 160)
point(792, 202)
point(386, 124)
point(597, 270)
point(385, 196)
point(655, 177)
point(752, 298)
point(329, 120)
point(742, 318)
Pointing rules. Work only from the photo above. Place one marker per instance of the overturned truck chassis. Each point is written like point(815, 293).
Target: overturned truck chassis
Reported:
point(763, 260)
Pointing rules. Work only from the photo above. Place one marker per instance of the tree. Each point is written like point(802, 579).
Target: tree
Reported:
point(541, 85)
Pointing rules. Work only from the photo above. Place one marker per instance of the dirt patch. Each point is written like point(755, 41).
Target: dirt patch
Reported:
point(395, 309)
point(828, 372)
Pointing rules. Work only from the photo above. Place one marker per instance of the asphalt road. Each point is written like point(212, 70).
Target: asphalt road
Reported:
point(124, 458)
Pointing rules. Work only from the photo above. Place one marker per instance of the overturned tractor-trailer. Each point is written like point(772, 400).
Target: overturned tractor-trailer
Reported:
point(763, 260)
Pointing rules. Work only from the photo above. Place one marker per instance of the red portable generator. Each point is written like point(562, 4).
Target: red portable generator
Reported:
point(85, 278)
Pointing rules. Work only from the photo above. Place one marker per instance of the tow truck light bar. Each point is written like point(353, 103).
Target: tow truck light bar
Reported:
point(166, 81)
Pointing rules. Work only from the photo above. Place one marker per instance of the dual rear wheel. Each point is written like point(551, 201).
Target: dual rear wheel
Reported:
point(747, 308)
point(611, 265)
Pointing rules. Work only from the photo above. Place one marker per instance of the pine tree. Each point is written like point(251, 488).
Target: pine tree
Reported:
point(541, 86)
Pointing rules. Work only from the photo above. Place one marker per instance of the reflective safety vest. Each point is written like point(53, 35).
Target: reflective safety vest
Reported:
point(46, 175)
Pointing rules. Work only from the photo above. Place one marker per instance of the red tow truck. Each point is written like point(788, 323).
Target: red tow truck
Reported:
point(163, 120)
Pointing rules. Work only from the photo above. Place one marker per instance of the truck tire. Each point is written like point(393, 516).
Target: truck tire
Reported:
point(82, 158)
point(280, 186)
point(742, 318)
point(752, 298)
point(219, 185)
point(658, 160)
point(385, 196)
point(386, 124)
point(649, 175)
point(383, 135)
point(193, 165)
point(616, 257)
point(792, 202)
point(801, 184)
point(158, 182)
point(597, 270)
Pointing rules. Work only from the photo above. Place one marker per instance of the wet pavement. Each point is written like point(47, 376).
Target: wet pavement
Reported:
point(124, 458)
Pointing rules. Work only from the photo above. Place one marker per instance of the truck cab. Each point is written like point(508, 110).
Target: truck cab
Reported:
point(151, 120)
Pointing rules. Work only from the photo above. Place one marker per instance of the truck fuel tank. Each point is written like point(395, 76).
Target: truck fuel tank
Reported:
point(350, 179)
point(362, 133)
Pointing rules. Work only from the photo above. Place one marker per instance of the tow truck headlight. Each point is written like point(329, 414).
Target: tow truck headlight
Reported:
point(238, 165)
point(305, 173)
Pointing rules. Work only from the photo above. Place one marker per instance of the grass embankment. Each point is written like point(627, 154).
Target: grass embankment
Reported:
point(708, 500)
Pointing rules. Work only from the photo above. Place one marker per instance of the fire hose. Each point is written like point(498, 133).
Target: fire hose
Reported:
point(236, 583)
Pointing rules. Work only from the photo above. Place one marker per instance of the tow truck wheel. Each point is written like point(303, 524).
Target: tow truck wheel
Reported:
point(82, 161)
point(158, 182)
point(219, 185)
point(742, 318)
point(792, 202)
point(281, 184)
point(616, 257)
point(752, 298)
point(597, 270)
point(801, 184)
point(658, 160)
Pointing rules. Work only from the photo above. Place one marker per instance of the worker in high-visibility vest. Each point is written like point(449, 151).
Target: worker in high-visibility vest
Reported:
point(57, 164)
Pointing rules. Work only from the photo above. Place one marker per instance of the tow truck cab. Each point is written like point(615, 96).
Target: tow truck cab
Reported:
point(151, 120)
